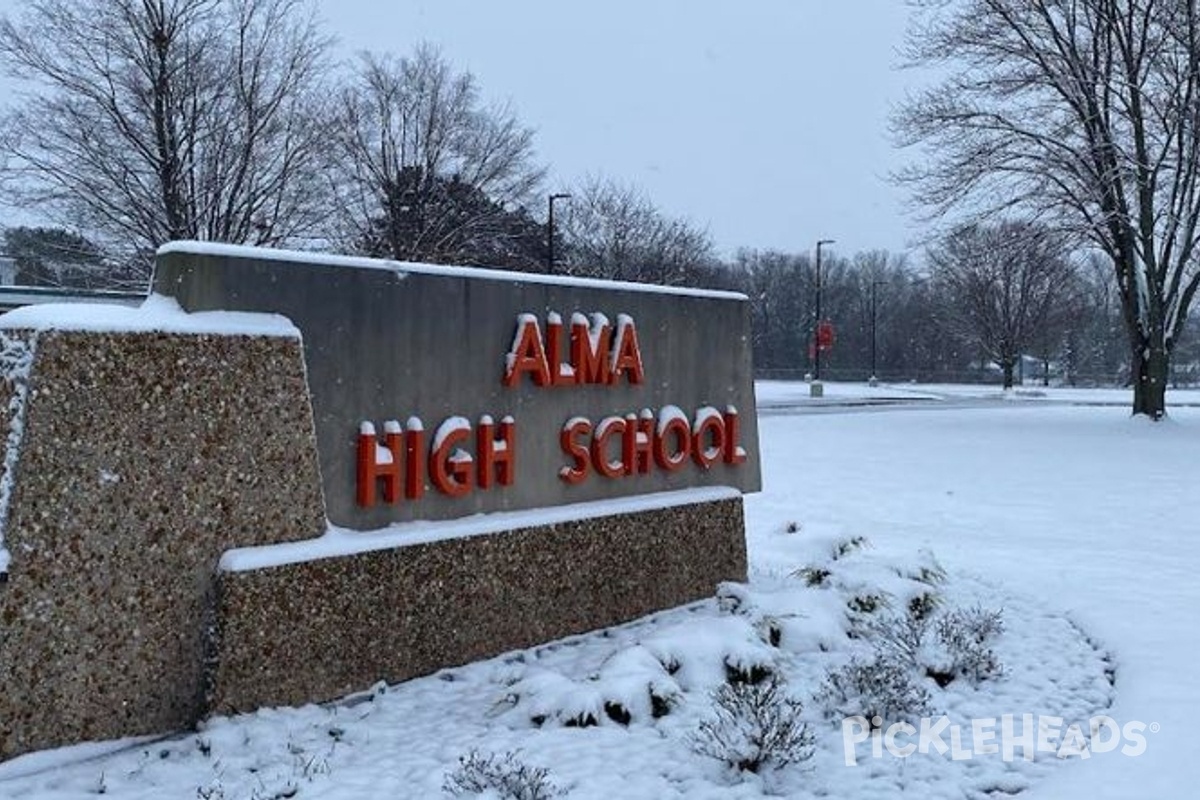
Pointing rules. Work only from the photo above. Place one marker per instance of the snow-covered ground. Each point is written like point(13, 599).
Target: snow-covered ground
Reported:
point(1074, 520)
point(790, 394)
point(1083, 508)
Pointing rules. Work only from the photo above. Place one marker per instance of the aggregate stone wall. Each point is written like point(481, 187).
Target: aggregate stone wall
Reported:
point(321, 629)
point(144, 456)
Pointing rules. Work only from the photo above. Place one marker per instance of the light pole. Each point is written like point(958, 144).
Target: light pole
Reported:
point(550, 228)
point(874, 379)
point(817, 326)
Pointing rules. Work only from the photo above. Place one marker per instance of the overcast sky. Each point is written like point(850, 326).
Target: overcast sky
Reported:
point(764, 121)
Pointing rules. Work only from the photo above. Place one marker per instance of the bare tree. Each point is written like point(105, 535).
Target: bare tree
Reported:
point(1006, 288)
point(614, 231)
point(880, 279)
point(780, 287)
point(1096, 342)
point(1085, 113)
point(423, 170)
point(153, 120)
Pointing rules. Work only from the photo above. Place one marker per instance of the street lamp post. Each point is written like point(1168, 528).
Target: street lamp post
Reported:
point(874, 378)
point(817, 326)
point(550, 228)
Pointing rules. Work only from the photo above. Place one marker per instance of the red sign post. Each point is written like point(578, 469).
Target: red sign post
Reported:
point(825, 337)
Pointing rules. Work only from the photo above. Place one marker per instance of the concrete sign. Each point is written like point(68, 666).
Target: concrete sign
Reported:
point(440, 392)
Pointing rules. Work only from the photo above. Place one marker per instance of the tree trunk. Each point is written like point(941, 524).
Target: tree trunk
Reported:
point(1151, 365)
point(1007, 365)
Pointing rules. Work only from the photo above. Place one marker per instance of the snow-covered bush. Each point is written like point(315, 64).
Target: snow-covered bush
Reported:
point(747, 671)
point(547, 697)
point(959, 646)
point(636, 686)
point(813, 576)
point(867, 603)
point(501, 775)
point(734, 598)
point(632, 686)
point(844, 547)
point(817, 574)
point(964, 636)
point(899, 637)
point(883, 687)
point(211, 791)
point(927, 570)
point(923, 605)
point(754, 725)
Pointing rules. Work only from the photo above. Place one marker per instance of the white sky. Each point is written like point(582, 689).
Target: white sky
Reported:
point(764, 121)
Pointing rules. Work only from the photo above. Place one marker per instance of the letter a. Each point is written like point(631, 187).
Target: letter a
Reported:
point(527, 354)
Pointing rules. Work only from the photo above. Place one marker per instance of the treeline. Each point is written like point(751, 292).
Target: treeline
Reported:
point(900, 321)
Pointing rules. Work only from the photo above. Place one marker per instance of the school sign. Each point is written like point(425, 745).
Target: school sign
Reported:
point(496, 390)
point(429, 465)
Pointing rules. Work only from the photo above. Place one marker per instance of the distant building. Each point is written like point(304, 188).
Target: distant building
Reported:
point(8, 271)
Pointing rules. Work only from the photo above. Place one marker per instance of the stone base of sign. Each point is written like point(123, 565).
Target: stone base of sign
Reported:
point(321, 629)
point(136, 460)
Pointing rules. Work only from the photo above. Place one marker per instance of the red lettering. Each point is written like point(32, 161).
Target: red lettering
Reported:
point(672, 423)
point(495, 453)
point(669, 441)
point(627, 355)
point(414, 455)
point(708, 424)
point(734, 453)
point(606, 430)
point(378, 462)
point(450, 467)
point(589, 349)
point(638, 447)
point(527, 354)
point(575, 428)
point(561, 374)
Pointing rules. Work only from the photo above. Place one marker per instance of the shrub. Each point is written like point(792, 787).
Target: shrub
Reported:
point(734, 598)
point(754, 725)
point(813, 576)
point(503, 775)
point(899, 637)
point(742, 670)
point(769, 630)
point(867, 603)
point(964, 635)
point(883, 687)
point(922, 606)
point(213, 791)
point(845, 547)
point(928, 571)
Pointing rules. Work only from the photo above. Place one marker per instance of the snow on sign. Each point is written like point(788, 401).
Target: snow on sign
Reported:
point(440, 392)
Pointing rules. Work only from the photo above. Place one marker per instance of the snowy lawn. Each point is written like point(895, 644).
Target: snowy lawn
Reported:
point(1074, 523)
point(796, 394)
point(1085, 509)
